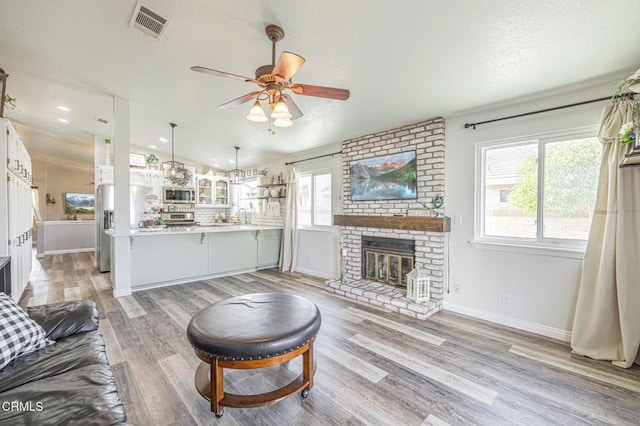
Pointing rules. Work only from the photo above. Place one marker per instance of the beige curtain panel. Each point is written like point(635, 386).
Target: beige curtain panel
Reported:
point(606, 325)
point(288, 248)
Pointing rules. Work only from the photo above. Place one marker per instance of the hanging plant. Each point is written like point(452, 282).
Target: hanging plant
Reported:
point(182, 176)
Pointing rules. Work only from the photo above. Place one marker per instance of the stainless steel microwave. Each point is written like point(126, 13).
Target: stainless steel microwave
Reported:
point(173, 195)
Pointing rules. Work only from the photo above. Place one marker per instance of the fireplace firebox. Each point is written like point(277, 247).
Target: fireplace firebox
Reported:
point(387, 260)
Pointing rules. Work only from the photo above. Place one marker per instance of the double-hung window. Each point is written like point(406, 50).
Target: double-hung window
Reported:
point(539, 190)
point(314, 199)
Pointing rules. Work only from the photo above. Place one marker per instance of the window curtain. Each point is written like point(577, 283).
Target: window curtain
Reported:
point(36, 204)
point(606, 325)
point(290, 231)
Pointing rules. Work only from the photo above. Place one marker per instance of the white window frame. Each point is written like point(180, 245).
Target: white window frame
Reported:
point(312, 174)
point(538, 245)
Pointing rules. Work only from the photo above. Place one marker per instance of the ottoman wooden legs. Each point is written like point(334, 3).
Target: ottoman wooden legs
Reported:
point(213, 389)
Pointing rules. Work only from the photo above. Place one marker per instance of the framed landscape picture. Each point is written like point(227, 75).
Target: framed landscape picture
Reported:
point(387, 177)
point(75, 203)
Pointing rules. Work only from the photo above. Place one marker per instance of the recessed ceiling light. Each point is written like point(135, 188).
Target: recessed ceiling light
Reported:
point(62, 108)
point(216, 165)
point(163, 140)
point(232, 161)
point(63, 120)
point(153, 147)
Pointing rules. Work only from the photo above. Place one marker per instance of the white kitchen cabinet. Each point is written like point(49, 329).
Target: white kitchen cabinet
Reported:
point(147, 177)
point(232, 252)
point(138, 176)
point(156, 258)
point(155, 180)
point(205, 191)
point(212, 191)
point(221, 186)
point(268, 247)
point(105, 174)
point(16, 233)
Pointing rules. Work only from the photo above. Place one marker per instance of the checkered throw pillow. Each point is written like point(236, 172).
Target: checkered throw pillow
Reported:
point(19, 334)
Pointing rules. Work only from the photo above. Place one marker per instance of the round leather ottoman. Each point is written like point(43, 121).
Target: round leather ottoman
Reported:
point(253, 331)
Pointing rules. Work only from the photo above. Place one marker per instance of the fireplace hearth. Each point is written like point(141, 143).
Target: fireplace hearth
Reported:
point(387, 260)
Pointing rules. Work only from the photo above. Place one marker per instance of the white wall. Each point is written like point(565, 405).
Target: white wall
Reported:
point(55, 180)
point(542, 289)
point(318, 251)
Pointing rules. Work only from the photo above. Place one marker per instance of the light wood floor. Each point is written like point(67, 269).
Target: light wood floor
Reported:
point(373, 367)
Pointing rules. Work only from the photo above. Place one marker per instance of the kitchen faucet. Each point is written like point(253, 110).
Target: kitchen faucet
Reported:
point(245, 215)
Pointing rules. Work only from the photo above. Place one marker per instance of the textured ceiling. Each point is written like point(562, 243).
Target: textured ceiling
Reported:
point(403, 62)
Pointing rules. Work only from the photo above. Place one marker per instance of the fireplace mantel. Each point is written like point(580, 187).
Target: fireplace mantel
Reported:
point(409, 223)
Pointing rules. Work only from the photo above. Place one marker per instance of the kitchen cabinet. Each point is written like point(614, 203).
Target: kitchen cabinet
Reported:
point(137, 176)
point(181, 254)
point(232, 251)
point(221, 191)
point(268, 247)
point(155, 180)
point(105, 174)
point(205, 191)
point(156, 258)
point(16, 232)
point(212, 191)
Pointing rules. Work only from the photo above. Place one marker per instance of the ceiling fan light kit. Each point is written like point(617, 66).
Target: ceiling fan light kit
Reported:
point(273, 80)
point(257, 114)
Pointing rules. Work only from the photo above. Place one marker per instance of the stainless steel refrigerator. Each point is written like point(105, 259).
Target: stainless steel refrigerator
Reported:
point(104, 222)
point(104, 212)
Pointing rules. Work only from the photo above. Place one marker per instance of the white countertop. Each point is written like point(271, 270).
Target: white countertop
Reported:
point(177, 230)
point(67, 222)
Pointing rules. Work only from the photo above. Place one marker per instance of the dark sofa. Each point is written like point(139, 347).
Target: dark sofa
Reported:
point(68, 382)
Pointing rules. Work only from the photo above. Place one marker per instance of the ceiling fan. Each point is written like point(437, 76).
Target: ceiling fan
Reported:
point(274, 80)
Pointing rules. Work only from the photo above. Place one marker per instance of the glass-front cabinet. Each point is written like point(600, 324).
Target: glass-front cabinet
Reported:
point(205, 187)
point(213, 191)
point(221, 191)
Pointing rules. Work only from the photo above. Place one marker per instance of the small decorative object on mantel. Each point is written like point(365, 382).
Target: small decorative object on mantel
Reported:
point(437, 203)
point(418, 285)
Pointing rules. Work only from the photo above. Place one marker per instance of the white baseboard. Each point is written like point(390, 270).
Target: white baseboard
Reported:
point(532, 327)
point(315, 273)
point(121, 292)
point(82, 250)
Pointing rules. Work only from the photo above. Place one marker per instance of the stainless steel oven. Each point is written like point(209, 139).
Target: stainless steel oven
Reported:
point(173, 195)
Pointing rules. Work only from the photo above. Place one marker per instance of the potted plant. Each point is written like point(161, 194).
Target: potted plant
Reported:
point(152, 161)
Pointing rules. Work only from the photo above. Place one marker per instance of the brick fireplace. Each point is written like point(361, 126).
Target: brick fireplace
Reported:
point(427, 139)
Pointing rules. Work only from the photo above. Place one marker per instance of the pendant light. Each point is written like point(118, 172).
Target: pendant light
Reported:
point(236, 176)
point(172, 165)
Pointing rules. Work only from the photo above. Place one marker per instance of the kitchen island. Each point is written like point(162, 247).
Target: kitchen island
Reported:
point(161, 257)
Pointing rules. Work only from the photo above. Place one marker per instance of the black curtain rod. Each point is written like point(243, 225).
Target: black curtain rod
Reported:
point(313, 158)
point(473, 125)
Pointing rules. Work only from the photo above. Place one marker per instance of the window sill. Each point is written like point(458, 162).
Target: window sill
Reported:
point(571, 253)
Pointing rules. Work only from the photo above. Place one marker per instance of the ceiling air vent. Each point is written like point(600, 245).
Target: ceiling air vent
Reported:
point(148, 22)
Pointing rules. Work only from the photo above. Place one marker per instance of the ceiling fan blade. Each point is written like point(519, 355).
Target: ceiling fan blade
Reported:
point(287, 65)
point(239, 101)
point(293, 108)
point(321, 91)
point(223, 74)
